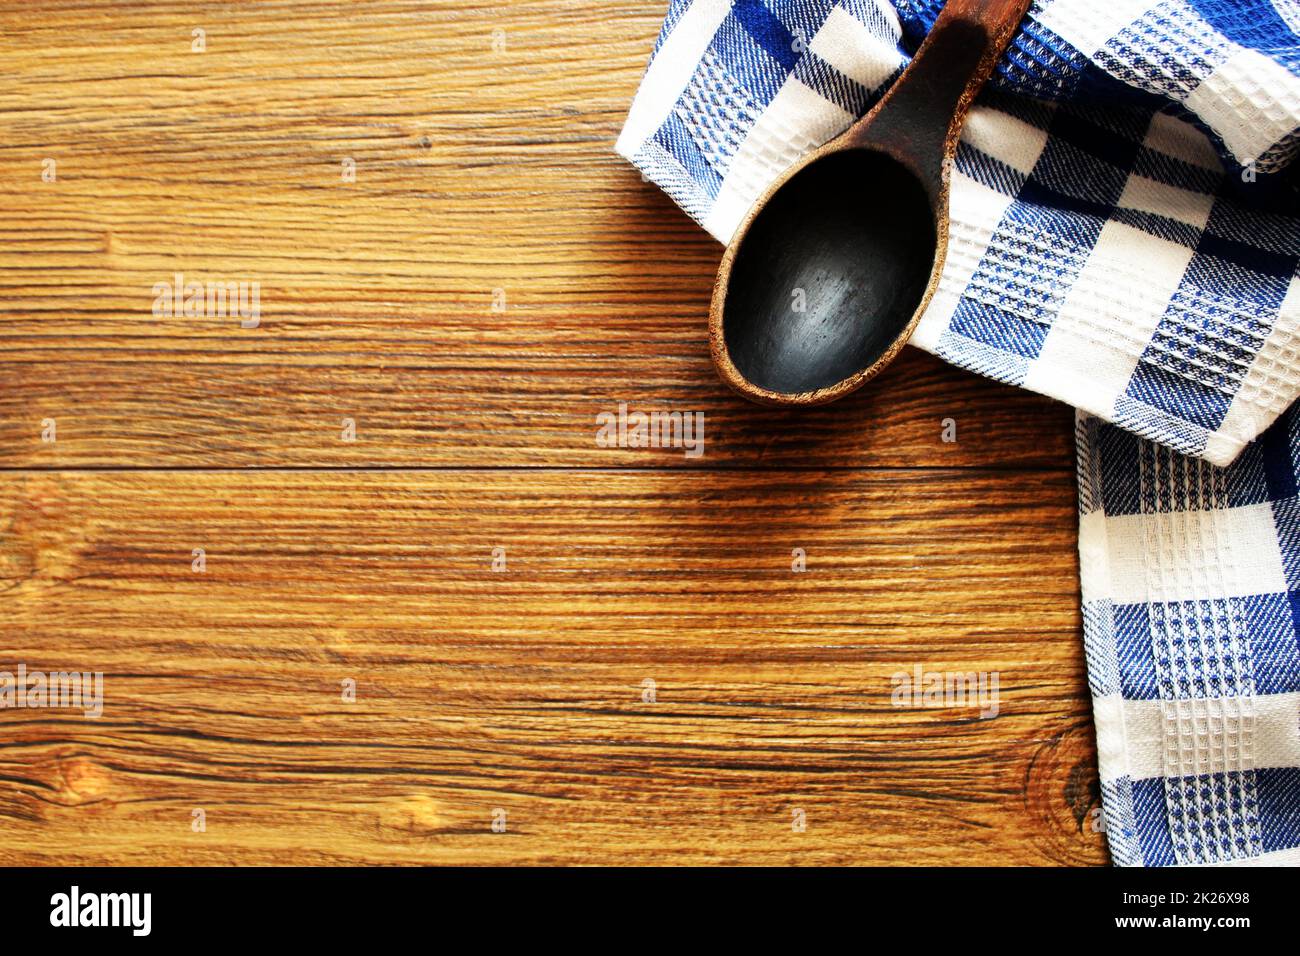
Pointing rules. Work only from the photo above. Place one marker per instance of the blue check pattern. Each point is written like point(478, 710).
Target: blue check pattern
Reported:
point(1191, 585)
point(1125, 236)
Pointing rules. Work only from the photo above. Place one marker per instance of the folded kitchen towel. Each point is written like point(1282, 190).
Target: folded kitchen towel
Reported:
point(1102, 250)
point(1124, 236)
point(1191, 605)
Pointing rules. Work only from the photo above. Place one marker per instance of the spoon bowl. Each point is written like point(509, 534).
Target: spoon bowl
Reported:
point(830, 274)
point(832, 268)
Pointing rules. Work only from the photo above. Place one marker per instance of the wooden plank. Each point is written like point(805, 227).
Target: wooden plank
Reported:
point(522, 689)
point(484, 162)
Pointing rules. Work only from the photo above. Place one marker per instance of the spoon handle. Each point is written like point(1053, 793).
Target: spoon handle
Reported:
point(919, 120)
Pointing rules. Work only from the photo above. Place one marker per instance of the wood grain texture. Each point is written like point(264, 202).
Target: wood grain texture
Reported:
point(478, 169)
point(523, 689)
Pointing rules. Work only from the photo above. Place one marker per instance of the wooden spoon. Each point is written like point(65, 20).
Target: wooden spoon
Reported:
point(830, 271)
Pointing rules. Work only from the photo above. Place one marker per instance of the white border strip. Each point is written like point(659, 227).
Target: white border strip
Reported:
point(1288, 857)
point(670, 71)
point(1131, 735)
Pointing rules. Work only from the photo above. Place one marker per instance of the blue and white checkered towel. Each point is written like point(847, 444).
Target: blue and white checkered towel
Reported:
point(1125, 236)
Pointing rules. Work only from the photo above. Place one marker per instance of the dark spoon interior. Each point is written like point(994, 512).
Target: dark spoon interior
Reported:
point(832, 268)
point(809, 307)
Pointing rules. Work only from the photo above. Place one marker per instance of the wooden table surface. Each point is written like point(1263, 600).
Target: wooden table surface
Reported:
point(647, 680)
